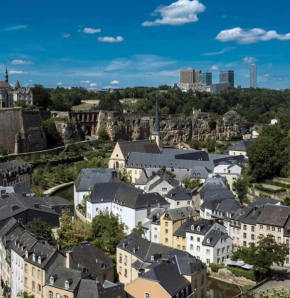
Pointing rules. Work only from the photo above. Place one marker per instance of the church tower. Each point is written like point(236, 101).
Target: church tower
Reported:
point(6, 76)
point(156, 135)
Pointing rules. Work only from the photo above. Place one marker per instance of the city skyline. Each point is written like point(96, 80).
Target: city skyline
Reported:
point(92, 46)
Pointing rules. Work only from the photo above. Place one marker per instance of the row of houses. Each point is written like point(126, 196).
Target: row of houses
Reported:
point(28, 263)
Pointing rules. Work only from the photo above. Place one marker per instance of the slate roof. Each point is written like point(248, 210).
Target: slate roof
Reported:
point(144, 249)
point(144, 146)
point(104, 192)
point(90, 257)
point(168, 276)
point(4, 84)
point(92, 289)
point(61, 274)
point(43, 250)
point(263, 201)
point(8, 226)
point(179, 213)
point(20, 188)
point(248, 215)
point(14, 204)
point(241, 146)
point(179, 194)
point(204, 224)
point(228, 206)
point(56, 201)
point(87, 178)
point(274, 215)
point(214, 236)
point(155, 180)
point(26, 240)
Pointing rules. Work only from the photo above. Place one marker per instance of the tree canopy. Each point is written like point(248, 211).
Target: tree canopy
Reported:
point(269, 155)
point(241, 186)
point(108, 231)
point(41, 228)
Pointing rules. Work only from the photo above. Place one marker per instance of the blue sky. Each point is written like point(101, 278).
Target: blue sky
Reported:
point(96, 44)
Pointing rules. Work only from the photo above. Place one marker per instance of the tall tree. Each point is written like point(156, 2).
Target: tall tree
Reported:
point(241, 186)
point(41, 96)
point(108, 231)
point(42, 228)
point(263, 254)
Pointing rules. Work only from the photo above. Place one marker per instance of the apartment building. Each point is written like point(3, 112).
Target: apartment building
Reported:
point(153, 270)
point(171, 220)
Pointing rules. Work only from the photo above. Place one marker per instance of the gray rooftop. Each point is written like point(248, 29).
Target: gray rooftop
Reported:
point(87, 178)
point(200, 227)
point(242, 146)
point(213, 237)
point(274, 215)
point(179, 194)
point(180, 213)
point(145, 146)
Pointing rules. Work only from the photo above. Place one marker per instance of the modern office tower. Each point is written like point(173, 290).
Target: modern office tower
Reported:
point(253, 75)
point(187, 76)
point(205, 78)
point(227, 76)
point(197, 73)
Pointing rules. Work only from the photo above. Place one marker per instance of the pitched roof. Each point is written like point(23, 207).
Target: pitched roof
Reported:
point(144, 146)
point(248, 215)
point(274, 215)
point(155, 180)
point(15, 166)
point(8, 226)
point(200, 226)
point(213, 237)
point(180, 213)
point(179, 194)
point(62, 274)
point(87, 178)
point(5, 85)
point(168, 276)
point(90, 257)
point(241, 146)
point(263, 201)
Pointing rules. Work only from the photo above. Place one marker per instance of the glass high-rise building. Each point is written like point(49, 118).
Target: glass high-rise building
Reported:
point(205, 78)
point(227, 76)
point(253, 75)
point(187, 76)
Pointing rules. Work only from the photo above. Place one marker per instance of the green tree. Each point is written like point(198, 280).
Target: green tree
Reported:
point(124, 176)
point(286, 201)
point(108, 231)
point(191, 183)
point(41, 96)
point(72, 233)
point(138, 230)
point(103, 134)
point(263, 254)
point(241, 187)
point(42, 228)
point(275, 292)
point(269, 154)
point(163, 170)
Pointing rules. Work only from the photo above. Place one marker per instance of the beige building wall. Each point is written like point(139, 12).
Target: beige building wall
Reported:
point(117, 160)
point(179, 242)
point(232, 152)
point(198, 283)
point(140, 287)
point(124, 266)
point(134, 173)
point(34, 279)
point(63, 293)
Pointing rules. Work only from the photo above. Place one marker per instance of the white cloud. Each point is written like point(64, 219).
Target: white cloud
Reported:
point(66, 35)
point(242, 36)
point(18, 27)
point(59, 83)
point(111, 39)
point(115, 82)
point(224, 16)
point(177, 13)
point(214, 67)
point(17, 72)
point(30, 81)
point(93, 85)
point(266, 75)
point(249, 60)
point(21, 62)
point(225, 50)
point(91, 30)
point(85, 82)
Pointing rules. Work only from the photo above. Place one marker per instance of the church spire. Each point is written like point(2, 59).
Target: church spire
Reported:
point(156, 130)
point(6, 76)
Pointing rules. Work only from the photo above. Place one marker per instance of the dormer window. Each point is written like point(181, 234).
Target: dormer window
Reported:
point(198, 228)
point(33, 257)
point(51, 280)
point(26, 254)
point(66, 284)
point(192, 227)
point(208, 240)
point(39, 260)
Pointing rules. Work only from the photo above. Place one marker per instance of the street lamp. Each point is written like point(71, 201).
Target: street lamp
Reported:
point(234, 282)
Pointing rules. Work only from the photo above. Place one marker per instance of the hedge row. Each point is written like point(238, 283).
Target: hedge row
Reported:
point(269, 190)
point(249, 274)
point(277, 183)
